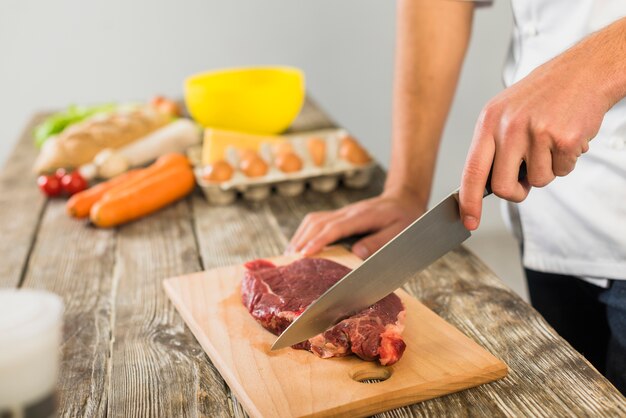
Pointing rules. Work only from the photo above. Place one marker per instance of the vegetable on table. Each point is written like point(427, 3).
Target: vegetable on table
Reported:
point(143, 195)
point(80, 204)
point(50, 185)
point(135, 193)
point(162, 163)
point(59, 173)
point(62, 182)
point(73, 182)
point(165, 105)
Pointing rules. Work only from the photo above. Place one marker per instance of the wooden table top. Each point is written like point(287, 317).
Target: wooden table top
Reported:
point(127, 353)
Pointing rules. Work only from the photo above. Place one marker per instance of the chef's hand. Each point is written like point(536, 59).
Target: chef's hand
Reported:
point(383, 217)
point(546, 119)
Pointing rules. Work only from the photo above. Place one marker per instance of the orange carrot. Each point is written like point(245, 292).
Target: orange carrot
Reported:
point(80, 203)
point(162, 163)
point(143, 197)
point(171, 158)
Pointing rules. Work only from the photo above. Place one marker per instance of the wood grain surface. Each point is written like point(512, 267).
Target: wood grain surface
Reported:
point(126, 352)
point(21, 208)
point(438, 359)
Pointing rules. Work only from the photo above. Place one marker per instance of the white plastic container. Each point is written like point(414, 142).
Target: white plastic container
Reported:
point(30, 337)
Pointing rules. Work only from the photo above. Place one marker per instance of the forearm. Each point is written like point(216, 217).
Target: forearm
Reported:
point(604, 53)
point(431, 41)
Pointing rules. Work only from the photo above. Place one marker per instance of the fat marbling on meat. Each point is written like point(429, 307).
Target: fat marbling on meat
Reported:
point(276, 295)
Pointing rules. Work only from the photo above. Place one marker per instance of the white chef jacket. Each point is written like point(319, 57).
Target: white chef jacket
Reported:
point(577, 224)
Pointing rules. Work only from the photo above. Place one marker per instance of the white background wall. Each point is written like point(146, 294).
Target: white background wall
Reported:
point(53, 53)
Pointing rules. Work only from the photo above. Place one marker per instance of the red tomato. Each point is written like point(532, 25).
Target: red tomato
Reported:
point(73, 183)
point(49, 185)
point(60, 173)
point(166, 105)
point(157, 100)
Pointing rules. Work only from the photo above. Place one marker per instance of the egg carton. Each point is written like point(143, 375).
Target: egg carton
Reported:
point(323, 179)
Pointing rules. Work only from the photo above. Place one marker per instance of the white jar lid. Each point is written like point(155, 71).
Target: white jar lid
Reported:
point(26, 313)
point(30, 335)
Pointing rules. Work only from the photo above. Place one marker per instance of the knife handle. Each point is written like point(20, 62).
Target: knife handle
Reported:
point(520, 176)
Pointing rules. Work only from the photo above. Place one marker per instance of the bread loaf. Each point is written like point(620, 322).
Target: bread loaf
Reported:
point(79, 143)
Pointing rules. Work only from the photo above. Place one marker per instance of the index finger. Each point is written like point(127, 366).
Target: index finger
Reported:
point(475, 173)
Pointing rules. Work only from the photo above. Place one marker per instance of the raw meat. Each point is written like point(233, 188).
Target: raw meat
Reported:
point(275, 296)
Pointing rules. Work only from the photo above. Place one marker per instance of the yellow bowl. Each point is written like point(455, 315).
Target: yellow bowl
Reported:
point(263, 100)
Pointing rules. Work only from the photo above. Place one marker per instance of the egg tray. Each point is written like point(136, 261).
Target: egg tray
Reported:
point(323, 179)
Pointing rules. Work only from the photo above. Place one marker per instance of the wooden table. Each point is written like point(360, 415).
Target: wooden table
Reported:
point(127, 352)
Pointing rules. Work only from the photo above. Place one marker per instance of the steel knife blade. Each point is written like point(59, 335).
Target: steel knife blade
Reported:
point(429, 237)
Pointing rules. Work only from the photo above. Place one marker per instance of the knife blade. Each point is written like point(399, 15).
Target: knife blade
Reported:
point(420, 244)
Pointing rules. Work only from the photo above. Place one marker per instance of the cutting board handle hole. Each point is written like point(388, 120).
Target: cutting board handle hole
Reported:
point(371, 374)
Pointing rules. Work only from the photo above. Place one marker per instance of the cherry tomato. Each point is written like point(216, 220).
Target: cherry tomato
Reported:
point(73, 183)
point(157, 100)
point(49, 185)
point(60, 173)
point(166, 105)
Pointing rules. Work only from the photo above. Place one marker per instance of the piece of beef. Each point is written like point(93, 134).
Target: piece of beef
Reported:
point(275, 296)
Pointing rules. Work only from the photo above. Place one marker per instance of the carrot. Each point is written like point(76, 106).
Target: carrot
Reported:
point(80, 204)
point(171, 159)
point(162, 163)
point(143, 197)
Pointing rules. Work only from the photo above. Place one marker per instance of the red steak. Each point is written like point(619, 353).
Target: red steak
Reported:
point(275, 296)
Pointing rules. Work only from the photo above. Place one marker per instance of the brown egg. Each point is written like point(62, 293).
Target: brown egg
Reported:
point(245, 153)
point(288, 162)
point(317, 150)
point(219, 171)
point(253, 165)
point(282, 147)
point(351, 151)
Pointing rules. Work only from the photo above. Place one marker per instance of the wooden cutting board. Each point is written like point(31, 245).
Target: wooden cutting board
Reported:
point(438, 359)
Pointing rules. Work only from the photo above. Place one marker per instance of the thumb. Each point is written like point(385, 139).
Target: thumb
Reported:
point(372, 243)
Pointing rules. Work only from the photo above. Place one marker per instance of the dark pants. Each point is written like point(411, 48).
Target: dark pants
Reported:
point(592, 319)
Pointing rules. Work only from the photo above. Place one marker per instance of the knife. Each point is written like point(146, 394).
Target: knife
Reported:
point(420, 244)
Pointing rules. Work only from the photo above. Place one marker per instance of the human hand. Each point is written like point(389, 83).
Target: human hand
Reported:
point(546, 119)
point(383, 217)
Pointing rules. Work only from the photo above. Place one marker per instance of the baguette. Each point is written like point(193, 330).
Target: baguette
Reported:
point(79, 143)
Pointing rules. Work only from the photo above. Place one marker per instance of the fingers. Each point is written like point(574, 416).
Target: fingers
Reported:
point(506, 164)
point(322, 228)
point(348, 224)
point(324, 234)
point(372, 243)
point(385, 214)
point(310, 225)
point(539, 163)
point(474, 178)
point(563, 162)
point(550, 157)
